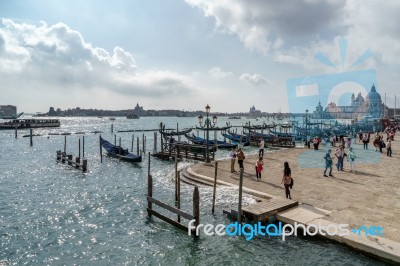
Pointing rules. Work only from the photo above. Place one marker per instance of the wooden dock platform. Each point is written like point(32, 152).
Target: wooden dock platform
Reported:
point(262, 211)
point(185, 150)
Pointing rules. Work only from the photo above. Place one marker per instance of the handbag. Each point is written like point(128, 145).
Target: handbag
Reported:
point(291, 183)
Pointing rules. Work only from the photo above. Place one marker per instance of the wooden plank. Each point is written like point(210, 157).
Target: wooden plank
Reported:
point(170, 208)
point(263, 210)
point(166, 219)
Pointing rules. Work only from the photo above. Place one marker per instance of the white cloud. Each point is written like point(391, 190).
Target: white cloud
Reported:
point(217, 73)
point(293, 32)
point(255, 78)
point(266, 25)
point(57, 57)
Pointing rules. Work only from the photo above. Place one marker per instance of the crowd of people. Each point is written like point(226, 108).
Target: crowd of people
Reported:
point(259, 164)
point(341, 153)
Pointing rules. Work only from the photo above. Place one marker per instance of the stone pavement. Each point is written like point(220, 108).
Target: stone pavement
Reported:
point(369, 197)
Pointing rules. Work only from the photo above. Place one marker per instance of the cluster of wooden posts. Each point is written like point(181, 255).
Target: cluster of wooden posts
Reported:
point(196, 201)
point(173, 209)
point(79, 162)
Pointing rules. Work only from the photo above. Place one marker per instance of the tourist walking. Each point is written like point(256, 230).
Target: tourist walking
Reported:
point(261, 151)
point(389, 148)
point(365, 141)
point(340, 155)
point(240, 157)
point(331, 141)
point(233, 155)
point(287, 179)
point(349, 142)
point(259, 168)
point(351, 159)
point(315, 143)
point(328, 163)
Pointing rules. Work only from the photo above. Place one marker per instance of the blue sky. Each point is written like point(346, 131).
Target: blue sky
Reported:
point(185, 54)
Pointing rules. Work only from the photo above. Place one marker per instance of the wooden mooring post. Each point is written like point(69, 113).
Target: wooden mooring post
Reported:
point(155, 143)
point(101, 150)
point(112, 128)
point(239, 217)
point(215, 186)
point(83, 146)
point(178, 202)
point(143, 144)
point(133, 140)
point(30, 137)
point(115, 140)
point(16, 132)
point(137, 146)
point(65, 143)
point(79, 147)
point(181, 214)
point(64, 157)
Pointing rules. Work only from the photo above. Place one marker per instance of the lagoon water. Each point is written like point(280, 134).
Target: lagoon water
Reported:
point(51, 214)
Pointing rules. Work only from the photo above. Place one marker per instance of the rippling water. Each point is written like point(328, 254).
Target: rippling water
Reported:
point(53, 214)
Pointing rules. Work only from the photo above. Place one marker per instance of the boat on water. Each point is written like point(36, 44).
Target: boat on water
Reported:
point(256, 135)
point(112, 118)
point(132, 116)
point(119, 152)
point(220, 144)
point(166, 132)
point(30, 123)
point(235, 140)
point(234, 117)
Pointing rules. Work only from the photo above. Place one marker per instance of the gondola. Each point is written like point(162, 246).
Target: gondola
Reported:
point(200, 141)
point(236, 139)
point(119, 152)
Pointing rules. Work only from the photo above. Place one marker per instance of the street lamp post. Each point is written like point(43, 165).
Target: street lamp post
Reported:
point(307, 124)
point(207, 125)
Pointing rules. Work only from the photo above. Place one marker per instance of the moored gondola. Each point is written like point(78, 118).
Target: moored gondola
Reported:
point(119, 152)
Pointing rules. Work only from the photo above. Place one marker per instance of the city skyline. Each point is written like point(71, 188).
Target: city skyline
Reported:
point(165, 55)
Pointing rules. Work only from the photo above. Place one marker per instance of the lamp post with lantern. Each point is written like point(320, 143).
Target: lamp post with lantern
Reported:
point(207, 125)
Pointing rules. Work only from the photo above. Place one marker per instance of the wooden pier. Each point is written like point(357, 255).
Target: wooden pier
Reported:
point(262, 211)
point(64, 157)
point(194, 216)
point(185, 150)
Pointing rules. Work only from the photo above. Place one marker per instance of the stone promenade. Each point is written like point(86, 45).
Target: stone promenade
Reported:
point(370, 196)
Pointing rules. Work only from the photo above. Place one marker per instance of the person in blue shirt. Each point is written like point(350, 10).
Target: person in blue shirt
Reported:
point(328, 163)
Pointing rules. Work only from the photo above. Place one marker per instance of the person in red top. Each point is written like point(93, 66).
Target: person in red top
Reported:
point(259, 168)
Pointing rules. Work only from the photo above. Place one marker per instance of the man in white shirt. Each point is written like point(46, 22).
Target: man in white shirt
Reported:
point(340, 156)
point(261, 151)
point(233, 156)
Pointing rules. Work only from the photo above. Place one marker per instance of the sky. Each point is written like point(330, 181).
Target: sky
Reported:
point(170, 54)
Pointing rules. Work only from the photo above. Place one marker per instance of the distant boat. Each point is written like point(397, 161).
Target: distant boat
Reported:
point(132, 116)
point(112, 118)
point(234, 117)
point(200, 141)
point(30, 123)
point(99, 117)
point(11, 116)
point(119, 152)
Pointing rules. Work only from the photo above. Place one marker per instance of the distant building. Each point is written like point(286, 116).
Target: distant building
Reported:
point(370, 106)
point(8, 110)
point(253, 112)
point(138, 110)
